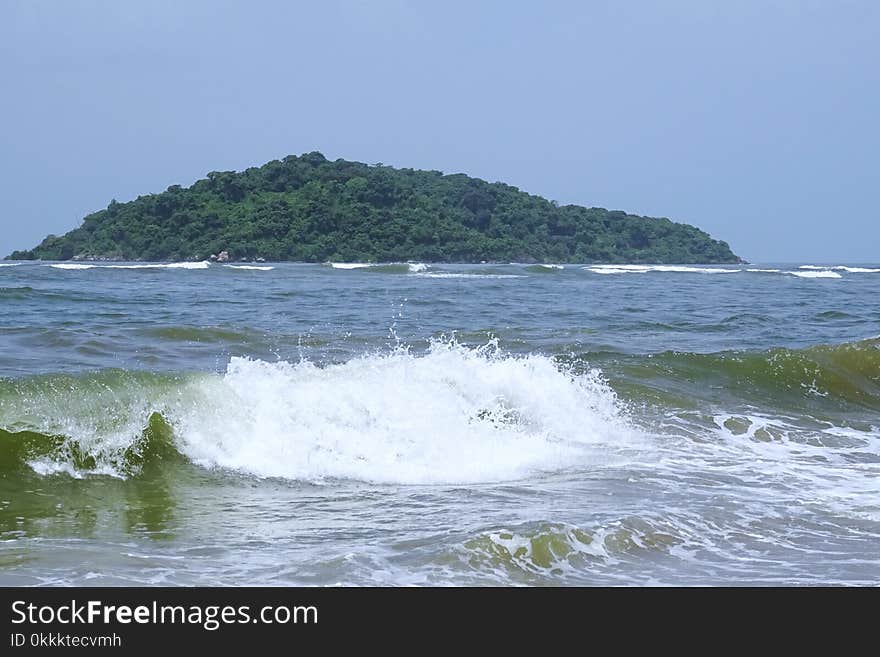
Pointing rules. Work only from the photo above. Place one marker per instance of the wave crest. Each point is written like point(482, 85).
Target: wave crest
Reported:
point(453, 415)
point(52, 454)
point(847, 373)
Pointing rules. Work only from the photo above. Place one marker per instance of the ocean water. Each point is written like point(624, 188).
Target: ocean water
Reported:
point(412, 424)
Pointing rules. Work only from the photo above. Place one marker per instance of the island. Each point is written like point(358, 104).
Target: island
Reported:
point(309, 209)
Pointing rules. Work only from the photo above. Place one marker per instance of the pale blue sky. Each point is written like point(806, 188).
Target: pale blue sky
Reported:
point(754, 120)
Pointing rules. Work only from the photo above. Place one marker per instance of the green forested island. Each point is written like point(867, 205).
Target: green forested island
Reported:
point(310, 209)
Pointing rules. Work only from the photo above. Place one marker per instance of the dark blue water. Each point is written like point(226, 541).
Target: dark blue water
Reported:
point(443, 424)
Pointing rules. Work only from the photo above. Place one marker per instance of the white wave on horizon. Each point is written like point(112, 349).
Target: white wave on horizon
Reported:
point(251, 267)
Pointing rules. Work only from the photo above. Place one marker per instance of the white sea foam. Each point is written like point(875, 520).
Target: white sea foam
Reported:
point(615, 270)
point(454, 415)
point(643, 269)
point(185, 265)
point(817, 463)
point(172, 265)
point(693, 270)
point(851, 270)
point(349, 265)
point(250, 267)
point(447, 274)
point(526, 549)
point(412, 267)
point(636, 268)
point(49, 466)
point(9, 264)
point(813, 273)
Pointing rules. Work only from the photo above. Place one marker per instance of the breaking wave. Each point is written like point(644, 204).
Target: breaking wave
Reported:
point(644, 269)
point(544, 269)
point(816, 273)
point(171, 265)
point(251, 267)
point(851, 270)
point(804, 271)
point(452, 415)
point(386, 267)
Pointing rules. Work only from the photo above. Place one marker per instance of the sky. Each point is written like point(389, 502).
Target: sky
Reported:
point(757, 121)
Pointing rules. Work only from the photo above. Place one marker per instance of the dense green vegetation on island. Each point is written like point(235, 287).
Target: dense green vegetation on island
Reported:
point(310, 209)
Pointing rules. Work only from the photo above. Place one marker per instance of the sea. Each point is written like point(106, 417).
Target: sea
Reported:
point(422, 424)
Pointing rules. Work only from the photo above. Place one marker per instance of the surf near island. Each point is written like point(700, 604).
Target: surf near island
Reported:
point(607, 399)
